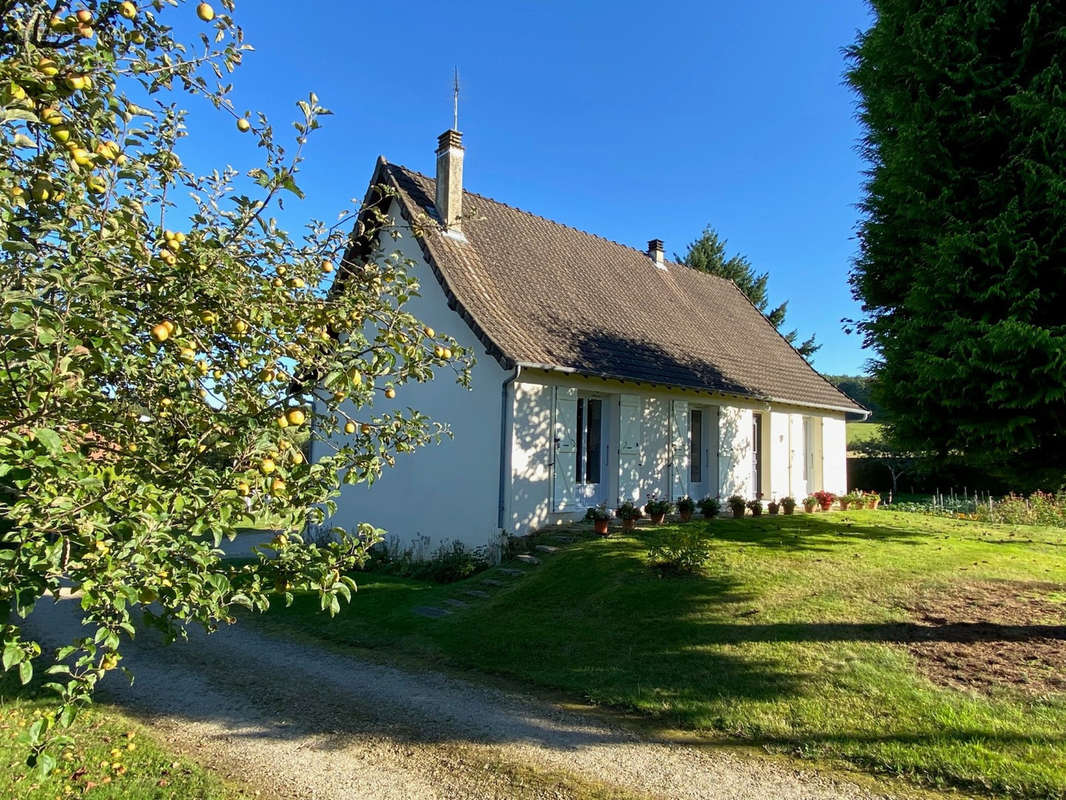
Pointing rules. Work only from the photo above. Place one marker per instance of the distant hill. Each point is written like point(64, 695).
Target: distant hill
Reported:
point(858, 388)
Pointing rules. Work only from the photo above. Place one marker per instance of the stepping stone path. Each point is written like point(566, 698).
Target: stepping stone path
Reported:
point(525, 558)
point(430, 611)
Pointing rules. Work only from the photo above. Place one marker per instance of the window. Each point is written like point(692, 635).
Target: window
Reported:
point(695, 445)
point(589, 430)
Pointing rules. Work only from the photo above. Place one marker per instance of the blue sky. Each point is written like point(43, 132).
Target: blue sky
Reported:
point(629, 120)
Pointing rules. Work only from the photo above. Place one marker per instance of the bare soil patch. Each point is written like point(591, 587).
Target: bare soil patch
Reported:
point(992, 635)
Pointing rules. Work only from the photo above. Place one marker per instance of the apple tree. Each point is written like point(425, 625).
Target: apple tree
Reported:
point(163, 341)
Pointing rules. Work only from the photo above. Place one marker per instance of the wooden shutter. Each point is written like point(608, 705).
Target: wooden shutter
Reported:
point(679, 447)
point(564, 470)
point(629, 448)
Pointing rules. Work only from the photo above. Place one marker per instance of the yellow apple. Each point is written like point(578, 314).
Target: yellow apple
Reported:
point(296, 416)
point(267, 465)
point(205, 12)
point(243, 125)
point(349, 427)
point(127, 9)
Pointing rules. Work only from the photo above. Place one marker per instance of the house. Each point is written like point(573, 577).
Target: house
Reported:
point(603, 373)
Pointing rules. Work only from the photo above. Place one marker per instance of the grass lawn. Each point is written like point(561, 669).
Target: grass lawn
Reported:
point(862, 431)
point(112, 758)
point(804, 636)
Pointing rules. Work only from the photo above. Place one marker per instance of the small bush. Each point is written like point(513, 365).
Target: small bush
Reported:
point(686, 505)
point(788, 504)
point(628, 510)
point(680, 552)
point(654, 507)
point(451, 562)
point(756, 507)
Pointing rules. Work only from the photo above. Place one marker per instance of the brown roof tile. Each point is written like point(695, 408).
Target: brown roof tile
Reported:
point(538, 292)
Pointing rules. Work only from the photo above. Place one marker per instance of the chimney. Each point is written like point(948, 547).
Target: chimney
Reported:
point(450, 180)
point(655, 251)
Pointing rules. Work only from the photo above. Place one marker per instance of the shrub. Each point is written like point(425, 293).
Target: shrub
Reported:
point(628, 510)
point(772, 507)
point(788, 504)
point(737, 504)
point(686, 505)
point(680, 552)
point(452, 561)
point(824, 498)
point(756, 507)
point(1039, 508)
point(851, 498)
point(710, 506)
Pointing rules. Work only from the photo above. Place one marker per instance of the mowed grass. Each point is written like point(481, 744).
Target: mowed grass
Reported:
point(112, 758)
point(789, 641)
point(862, 431)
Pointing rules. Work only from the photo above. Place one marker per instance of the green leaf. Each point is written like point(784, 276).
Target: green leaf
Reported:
point(20, 320)
point(50, 439)
point(12, 655)
point(25, 671)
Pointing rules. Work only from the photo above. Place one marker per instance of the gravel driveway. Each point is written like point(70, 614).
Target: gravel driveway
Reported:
point(297, 721)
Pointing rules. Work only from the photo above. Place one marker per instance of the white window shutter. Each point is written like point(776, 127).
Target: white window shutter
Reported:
point(629, 448)
point(679, 449)
point(564, 471)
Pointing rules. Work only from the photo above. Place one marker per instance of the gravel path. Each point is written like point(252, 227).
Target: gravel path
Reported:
point(297, 721)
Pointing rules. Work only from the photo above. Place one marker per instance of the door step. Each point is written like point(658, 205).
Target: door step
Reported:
point(509, 571)
point(525, 558)
point(547, 548)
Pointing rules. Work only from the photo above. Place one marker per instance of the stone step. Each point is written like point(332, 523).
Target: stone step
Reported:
point(547, 548)
point(476, 593)
point(525, 558)
point(431, 611)
point(457, 603)
point(491, 582)
point(509, 571)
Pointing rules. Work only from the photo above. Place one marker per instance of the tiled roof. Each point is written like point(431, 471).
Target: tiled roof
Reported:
point(540, 293)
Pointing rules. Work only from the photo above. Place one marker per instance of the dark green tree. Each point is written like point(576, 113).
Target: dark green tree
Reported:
point(708, 254)
point(962, 262)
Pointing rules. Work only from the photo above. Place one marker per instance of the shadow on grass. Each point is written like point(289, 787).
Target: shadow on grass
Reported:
point(807, 532)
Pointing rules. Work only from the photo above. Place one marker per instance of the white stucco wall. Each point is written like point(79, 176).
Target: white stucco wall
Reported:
point(529, 504)
point(449, 490)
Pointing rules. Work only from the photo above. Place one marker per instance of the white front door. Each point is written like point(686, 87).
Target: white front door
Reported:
point(679, 450)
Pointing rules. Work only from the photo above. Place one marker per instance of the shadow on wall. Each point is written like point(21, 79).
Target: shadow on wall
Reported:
point(531, 458)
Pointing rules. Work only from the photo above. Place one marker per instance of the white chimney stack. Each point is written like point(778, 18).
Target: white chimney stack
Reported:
point(655, 251)
point(450, 180)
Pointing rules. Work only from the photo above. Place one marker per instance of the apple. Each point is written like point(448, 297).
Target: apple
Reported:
point(267, 465)
point(205, 12)
point(127, 9)
point(243, 125)
point(349, 427)
point(296, 416)
point(84, 16)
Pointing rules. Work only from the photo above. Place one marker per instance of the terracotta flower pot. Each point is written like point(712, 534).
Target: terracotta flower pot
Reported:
point(738, 513)
point(708, 514)
point(685, 515)
point(788, 509)
point(657, 519)
point(873, 503)
point(844, 505)
point(601, 525)
point(809, 507)
point(629, 525)
point(827, 506)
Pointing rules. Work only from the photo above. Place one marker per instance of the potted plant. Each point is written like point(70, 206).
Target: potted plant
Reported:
point(685, 506)
point(849, 499)
point(756, 507)
point(873, 499)
point(657, 509)
point(809, 503)
point(737, 504)
point(601, 518)
point(773, 508)
point(788, 504)
point(709, 507)
point(629, 513)
point(825, 499)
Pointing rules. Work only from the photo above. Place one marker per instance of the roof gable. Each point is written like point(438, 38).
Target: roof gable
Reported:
point(541, 293)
